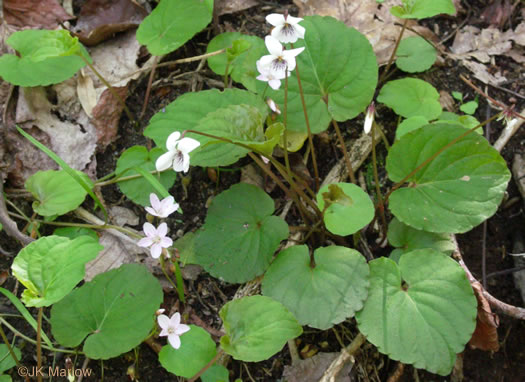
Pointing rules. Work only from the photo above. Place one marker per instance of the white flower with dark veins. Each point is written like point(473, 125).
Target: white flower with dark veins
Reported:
point(161, 209)
point(172, 328)
point(279, 60)
point(286, 28)
point(178, 153)
point(155, 239)
point(273, 78)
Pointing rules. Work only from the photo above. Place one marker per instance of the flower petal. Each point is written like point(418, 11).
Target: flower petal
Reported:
point(293, 20)
point(175, 319)
point(275, 19)
point(171, 142)
point(187, 145)
point(166, 242)
point(274, 46)
point(292, 52)
point(149, 230)
point(181, 329)
point(145, 242)
point(154, 201)
point(162, 230)
point(151, 211)
point(299, 30)
point(164, 161)
point(265, 63)
point(156, 250)
point(178, 162)
point(164, 321)
point(174, 340)
point(274, 84)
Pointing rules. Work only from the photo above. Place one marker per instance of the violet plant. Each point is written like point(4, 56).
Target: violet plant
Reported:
point(417, 306)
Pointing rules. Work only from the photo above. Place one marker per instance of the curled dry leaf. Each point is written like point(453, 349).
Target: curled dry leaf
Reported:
point(45, 14)
point(313, 368)
point(101, 19)
point(485, 336)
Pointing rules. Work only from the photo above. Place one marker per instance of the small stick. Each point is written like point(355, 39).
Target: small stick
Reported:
point(509, 310)
point(9, 225)
point(148, 90)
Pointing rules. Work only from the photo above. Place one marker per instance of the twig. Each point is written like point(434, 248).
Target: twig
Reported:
point(510, 129)
point(84, 366)
point(346, 354)
point(9, 225)
point(148, 89)
point(509, 310)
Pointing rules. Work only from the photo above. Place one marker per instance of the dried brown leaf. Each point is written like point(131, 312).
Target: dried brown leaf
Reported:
point(368, 17)
point(101, 19)
point(313, 368)
point(225, 7)
point(46, 14)
point(485, 336)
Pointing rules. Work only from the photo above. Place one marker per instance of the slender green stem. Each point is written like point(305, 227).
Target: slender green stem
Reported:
point(391, 59)
point(345, 152)
point(6, 341)
point(207, 366)
point(433, 156)
point(180, 281)
point(381, 207)
point(80, 225)
point(150, 83)
point(163, 267)
point(39, 342)
point(100, 182)
point(110, 88)
point(310, 137)
point(268, 171)
point(285, 132)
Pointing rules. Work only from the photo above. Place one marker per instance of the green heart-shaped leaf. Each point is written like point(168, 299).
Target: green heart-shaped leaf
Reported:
point(115, 311)
point(256, 327)
point(421, 312)
point(196, 350)
point(46, 57)
point(457, 190)
point(422, 9)
point(321, 296)
point(348, 208)
point(415, 54)
point(56, 192)
point(410, 97)
point(172, 24)
point(344, 73)
point(240, 235)
point(139, 189)
point(52, 266)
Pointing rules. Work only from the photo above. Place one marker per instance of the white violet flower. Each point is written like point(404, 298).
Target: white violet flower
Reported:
point(178, 153)
point(273, 78)
point(286, 28)
point(172, 328)
point(279, 60)
point(161, 209)
point(369, 119)
point(155, 239)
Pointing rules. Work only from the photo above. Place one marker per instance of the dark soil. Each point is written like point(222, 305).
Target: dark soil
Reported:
point(207, 295)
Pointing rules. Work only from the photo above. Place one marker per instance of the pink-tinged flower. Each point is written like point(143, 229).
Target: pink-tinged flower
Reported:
point(273, 78)
point(172, 328)
point(155, 239)
point(161, 209)
point(178, 153)
point(286, 28)
point(369, 119)
point(279, 60)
